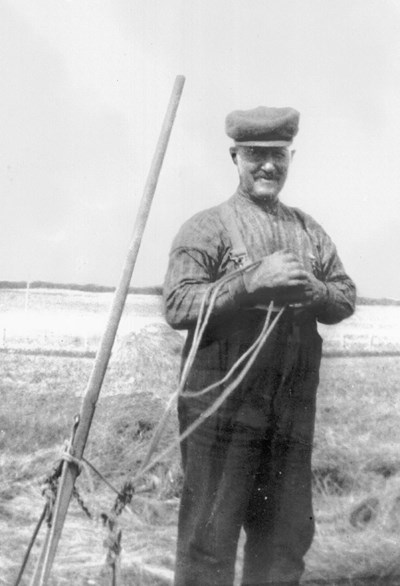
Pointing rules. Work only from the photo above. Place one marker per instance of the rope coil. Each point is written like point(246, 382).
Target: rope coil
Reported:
point(206, 308)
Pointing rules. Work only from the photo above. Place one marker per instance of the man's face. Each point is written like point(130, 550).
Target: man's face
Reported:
point(262, 170)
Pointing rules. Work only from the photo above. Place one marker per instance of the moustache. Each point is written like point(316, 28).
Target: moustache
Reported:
point(272, 175)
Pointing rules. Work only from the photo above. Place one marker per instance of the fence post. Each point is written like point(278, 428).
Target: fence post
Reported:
point(27, 296)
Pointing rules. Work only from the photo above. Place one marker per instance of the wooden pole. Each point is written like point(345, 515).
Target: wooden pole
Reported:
point(69, 470)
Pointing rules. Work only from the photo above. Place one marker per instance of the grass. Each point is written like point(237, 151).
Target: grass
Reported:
point(39, 397)
point(356, 464)
point(357, 425)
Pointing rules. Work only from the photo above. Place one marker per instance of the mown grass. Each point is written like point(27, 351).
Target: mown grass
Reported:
point(39, 397)
point(356, 463)
point(357, 427)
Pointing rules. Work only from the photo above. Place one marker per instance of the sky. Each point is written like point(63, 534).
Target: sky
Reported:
point(85, 86)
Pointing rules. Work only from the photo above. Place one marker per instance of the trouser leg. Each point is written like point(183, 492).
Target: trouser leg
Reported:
point(218, 479)
point(280, 525)
point(280, 521)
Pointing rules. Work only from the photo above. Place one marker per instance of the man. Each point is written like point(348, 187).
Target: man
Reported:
point(249, 465)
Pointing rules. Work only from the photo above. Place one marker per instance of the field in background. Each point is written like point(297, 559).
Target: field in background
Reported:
point(356, 458)
point(66, 320)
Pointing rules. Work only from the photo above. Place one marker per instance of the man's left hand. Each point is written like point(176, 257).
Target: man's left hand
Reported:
point(315, 292)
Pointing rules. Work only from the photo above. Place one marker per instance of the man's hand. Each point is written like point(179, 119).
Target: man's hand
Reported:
point(281, 277)
point(315, 291)
point(275, 271)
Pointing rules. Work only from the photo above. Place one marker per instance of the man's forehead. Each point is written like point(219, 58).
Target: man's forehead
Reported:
point(261, 149)
point(256, 147)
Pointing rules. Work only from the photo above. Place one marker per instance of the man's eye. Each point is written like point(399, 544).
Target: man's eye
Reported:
point(255, 153)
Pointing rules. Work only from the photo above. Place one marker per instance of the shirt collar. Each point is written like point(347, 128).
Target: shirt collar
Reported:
point(268, 206)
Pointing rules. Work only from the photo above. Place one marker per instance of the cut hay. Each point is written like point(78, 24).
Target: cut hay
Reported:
point(145, 361)
point(357, 538)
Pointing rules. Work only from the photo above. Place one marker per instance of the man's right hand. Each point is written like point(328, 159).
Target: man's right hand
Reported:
point(280, 273)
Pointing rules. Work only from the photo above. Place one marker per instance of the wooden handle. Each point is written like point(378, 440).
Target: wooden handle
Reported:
point(70, 471)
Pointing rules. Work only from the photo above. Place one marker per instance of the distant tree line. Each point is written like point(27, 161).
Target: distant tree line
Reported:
point(377, 301)
point(149, 290)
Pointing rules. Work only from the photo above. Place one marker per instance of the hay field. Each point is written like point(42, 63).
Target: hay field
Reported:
point(67, 320)
point(356, 458)
point(74, 320)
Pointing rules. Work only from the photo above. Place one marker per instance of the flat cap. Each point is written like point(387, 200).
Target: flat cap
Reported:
point(263, 126)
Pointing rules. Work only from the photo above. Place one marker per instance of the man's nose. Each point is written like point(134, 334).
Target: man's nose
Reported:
point(268, 164)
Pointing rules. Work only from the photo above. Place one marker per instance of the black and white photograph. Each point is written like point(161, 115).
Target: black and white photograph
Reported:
point(200, 293)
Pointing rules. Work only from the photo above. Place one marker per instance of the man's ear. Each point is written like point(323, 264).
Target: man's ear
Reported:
point(233, 153)
point(292, 154)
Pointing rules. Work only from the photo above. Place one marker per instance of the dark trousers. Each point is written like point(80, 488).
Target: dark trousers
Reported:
point(249, 476)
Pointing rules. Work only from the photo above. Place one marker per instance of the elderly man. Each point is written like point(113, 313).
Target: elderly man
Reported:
point(249, 464)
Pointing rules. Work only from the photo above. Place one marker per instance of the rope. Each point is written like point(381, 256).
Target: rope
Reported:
point(100, 475)
point(81, 463)
point(111, 486)
point(84, 464)
point(110, 521)
point(211, 292)
point(209, 299)
point(236, 364)
point(49, 491)
point(218, 402)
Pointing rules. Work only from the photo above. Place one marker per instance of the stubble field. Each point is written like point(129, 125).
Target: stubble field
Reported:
point(356, 456)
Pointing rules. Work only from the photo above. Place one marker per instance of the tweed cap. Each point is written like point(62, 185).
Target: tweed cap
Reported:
point(263, 126)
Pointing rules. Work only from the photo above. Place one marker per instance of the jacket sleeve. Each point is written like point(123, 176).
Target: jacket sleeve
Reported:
point(340, 299)
point(195, 268)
